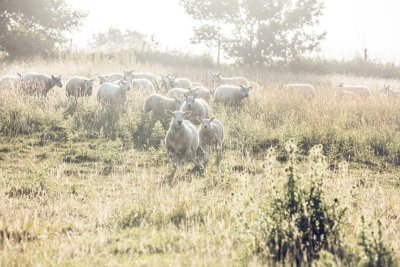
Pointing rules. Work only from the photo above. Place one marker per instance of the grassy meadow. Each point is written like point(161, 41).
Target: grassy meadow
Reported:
point(86, 186)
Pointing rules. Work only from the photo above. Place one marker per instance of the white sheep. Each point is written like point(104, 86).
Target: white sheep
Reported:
point(202, 92)
point(143, 85)
point(197, 106)
point(158, 104)
point(360, 90)
point(217, 79)
point(79, 86)
point(182, 138)
point(9, 80)
point(163, 82)
point(114, 94)
point(211, 135)
point(149, 76)
point(231, 95)
point(306, 91)
point(39, 84)
point(390, 93)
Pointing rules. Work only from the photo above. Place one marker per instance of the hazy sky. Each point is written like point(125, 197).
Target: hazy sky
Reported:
point(351, 24)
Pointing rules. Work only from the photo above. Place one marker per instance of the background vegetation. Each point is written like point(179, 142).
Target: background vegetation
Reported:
point(82, 185)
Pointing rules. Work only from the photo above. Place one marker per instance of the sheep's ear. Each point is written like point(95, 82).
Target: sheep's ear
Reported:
point(211, 120)
point(198, 119)
point(241, 86)
point(169, 112)
point(187, 113)
point(52, 76)
point(250, 87)
point(19, 75)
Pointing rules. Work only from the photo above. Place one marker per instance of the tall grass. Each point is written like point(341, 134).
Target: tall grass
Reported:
point(84, 184)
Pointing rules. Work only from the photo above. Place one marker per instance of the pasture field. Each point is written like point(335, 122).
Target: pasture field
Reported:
point(86, 186)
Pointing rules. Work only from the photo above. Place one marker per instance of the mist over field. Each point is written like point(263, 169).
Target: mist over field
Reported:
point(199, 132)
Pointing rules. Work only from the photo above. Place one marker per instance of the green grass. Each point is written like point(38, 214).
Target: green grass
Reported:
point(84, 186)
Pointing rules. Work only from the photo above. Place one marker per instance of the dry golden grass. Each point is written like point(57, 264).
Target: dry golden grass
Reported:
point(73, 195)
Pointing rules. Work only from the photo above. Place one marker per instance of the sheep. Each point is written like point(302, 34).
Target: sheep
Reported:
point(202, 92)
point(182, 138)
point(198, 108)
point(39, 84)
point(114, 94)
point(79, 86)
point(9, 80)
point(211, 135)
point(344, 95)
point(103, 79)
point(149, 76)
point(164, 82)
point(231, 95)
point(306, 91)
point(180, 82)
point(178, 92)
point(217, 79)
point(143, 85)
point(390, 93)
point(360, 90)
point(158, 104)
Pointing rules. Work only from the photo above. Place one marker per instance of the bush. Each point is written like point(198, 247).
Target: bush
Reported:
point(300, 224)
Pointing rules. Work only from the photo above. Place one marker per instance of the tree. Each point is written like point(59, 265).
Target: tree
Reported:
point(116, 40)
point(258, 31)
point(35, 27)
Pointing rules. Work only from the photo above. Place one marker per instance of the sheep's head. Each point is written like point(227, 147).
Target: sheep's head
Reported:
point(215, 77)
point(125, 85)
point(385, 89)
point(128, 73)
point(190, 100)
point(205, 123)
point(56, 80)
point(89, 87)
point(171, 81)
point(103, 79)
point(245, 90)
point(178, 117)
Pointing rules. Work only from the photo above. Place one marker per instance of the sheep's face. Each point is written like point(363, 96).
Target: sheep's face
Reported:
point(215, 77)
point(178, 117)
point(56, 80)
point(245, 90)
point(171, 82)
point(205, 123)
point(126, 85)
point(102, 79)
point(89, 87)
point(128, 73)
point(190, 100)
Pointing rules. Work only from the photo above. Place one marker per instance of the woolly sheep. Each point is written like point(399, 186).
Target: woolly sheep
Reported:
point(390, 93)
point(143, 85)
point(230, 94)
point(180, 83)
point(217, 79)
point(148, 76)
point(344, 95)
point(202, 92)
point(302, 90)
point(114, 94)
point(9, 80)
point(198, 108)
point(39, 84)
point(211, 135)
point(360, 90)
point(158, 104)
point(182, 138)
point(79, 86)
